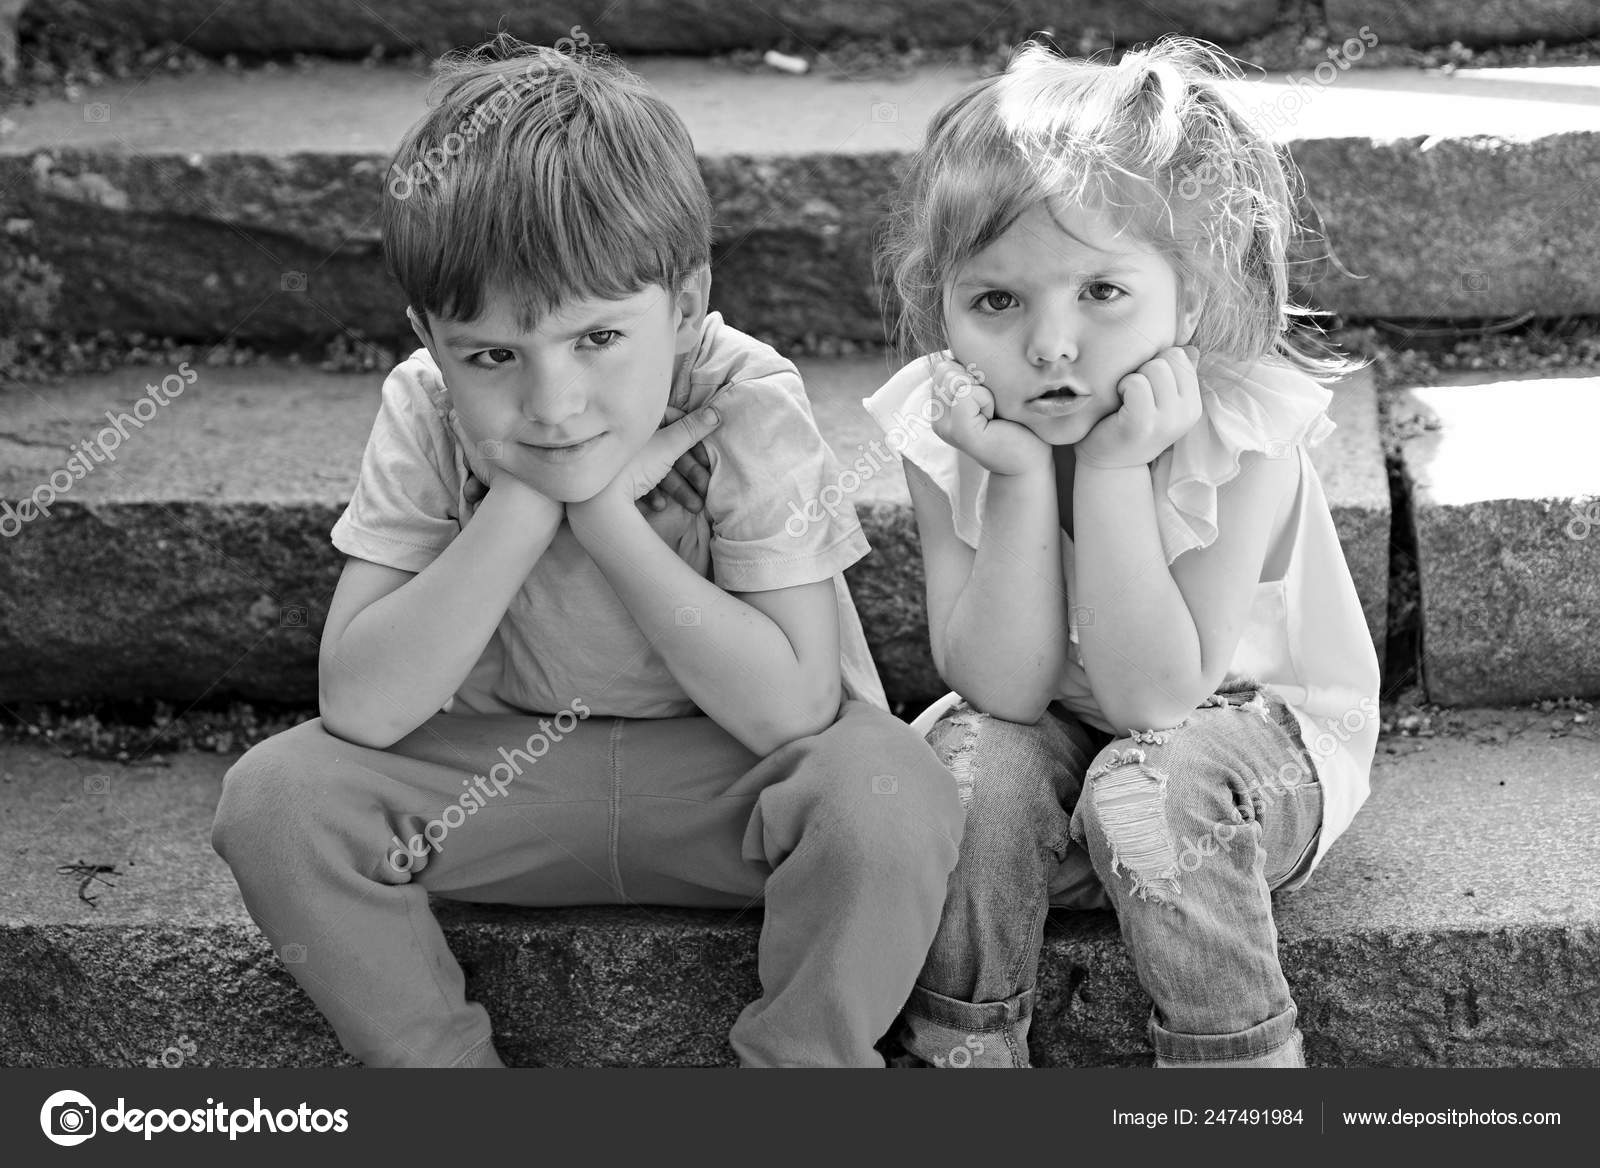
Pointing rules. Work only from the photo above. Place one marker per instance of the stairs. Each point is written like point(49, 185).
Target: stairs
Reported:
point(1455, 924)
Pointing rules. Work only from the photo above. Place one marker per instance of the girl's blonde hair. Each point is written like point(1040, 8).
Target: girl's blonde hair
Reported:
point(1152, 140)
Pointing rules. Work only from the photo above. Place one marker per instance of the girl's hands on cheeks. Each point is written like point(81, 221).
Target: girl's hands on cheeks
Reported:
point(968, 423)
point(1160, 404)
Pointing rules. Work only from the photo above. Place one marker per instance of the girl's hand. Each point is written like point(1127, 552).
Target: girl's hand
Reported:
point(968, 423)
point(1160, 404)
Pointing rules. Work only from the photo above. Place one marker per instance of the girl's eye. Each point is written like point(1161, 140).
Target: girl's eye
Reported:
point(1104, 293)
point(491, 358)
point(602, 338)
point(995, 301)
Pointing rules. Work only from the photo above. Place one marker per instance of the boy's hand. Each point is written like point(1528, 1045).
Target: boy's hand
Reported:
point(688, 479)
point(665, 450)
point(1160, 404)
point(484, 461)
point(969, 424)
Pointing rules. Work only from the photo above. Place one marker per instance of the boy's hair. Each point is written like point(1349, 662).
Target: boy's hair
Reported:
point(546, 176)
point(1152, 141)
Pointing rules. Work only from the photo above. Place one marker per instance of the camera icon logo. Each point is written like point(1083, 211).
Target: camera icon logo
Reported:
point(97, 111)
point(1080, 615)
point(294, 953)
point(68, 1118)
point(686, 617)
point(292, 282)
point(885, 784)
point(885, 111)
point(1474, 281)
point(1279, 449)
point(490, 449)
point(293, 617)
point(96, 784)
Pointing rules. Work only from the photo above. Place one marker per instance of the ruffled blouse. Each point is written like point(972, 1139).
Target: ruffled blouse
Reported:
point(1307, 637)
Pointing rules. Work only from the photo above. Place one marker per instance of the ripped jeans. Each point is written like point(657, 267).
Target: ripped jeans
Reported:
point(1185, 832)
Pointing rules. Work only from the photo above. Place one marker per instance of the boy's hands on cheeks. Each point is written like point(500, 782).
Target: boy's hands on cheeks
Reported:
point(968, 423)
point(1160, 404)
point(488, 471)
point(660, 456)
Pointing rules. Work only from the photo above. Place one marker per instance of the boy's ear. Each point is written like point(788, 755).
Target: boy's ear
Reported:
point(691, 303)
point(420, 327)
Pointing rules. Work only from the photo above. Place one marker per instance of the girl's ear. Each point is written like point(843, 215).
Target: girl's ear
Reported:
point(1190, 303)
point(690, 304)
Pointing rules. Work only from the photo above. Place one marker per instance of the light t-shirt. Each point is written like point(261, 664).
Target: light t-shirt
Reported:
point(566, 635)
point(1306, 639)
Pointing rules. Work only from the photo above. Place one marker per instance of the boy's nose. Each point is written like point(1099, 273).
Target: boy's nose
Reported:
point(549, 399)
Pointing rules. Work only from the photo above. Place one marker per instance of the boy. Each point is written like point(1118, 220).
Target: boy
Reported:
point(720, 737)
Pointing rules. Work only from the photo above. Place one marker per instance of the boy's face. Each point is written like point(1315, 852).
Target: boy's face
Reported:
point(571, 402)
point(1055, 322)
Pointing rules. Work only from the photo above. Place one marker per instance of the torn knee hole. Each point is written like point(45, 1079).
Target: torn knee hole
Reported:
point(962, 759)
point(1130, 801)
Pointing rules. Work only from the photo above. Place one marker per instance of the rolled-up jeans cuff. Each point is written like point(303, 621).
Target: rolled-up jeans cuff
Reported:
point(1274, 1042)
point(951, 1033)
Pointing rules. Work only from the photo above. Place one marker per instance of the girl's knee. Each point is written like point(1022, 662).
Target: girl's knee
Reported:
point(1147, 798)
point(994, 762)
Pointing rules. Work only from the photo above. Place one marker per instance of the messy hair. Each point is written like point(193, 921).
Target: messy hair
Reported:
point(544, 175)
point(1154, 142)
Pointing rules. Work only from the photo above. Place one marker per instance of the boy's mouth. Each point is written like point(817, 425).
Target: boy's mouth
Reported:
point(563, 451)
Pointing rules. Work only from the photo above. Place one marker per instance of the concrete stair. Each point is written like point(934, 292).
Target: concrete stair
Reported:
point(335, 27)
point(197, 563)
point(243, 205)
point(1457, 923)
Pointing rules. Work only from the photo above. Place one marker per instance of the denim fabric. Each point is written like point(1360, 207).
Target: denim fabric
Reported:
point(1184, 832)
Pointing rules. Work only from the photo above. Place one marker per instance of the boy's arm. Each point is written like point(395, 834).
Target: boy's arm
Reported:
point(397, 645)
point(997, 616)
point(763, 665)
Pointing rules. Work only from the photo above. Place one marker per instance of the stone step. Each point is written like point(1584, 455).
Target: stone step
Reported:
point(243, 205)
point(198, 562)
point(1457, 923)
point(1505, 493)
point(710, 26)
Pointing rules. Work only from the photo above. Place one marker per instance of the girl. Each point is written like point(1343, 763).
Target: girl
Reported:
point(1166, 693)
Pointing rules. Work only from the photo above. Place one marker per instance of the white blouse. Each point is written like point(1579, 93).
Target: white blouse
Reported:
point(1306, 639)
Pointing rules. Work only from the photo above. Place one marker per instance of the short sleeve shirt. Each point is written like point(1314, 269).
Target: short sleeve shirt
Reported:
point(566, 635)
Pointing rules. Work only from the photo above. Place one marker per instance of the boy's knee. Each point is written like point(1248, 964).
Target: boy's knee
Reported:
point(266, 793)
point(894, 795)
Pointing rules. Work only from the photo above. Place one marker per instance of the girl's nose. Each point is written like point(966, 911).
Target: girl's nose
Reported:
point(1052, 337)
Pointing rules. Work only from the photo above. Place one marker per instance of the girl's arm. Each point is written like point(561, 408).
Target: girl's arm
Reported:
point(1162, 636)
point(997, 616)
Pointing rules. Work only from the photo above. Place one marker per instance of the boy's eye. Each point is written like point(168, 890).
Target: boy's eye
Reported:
point(995, 301)
point(602, 338)
point(1104, 293)
point(491, 358)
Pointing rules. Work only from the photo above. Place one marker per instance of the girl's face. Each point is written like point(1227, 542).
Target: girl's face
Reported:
point(1055, 322)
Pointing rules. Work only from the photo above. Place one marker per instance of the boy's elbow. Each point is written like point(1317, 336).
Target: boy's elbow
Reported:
point(804, 715)
point(351, 725)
